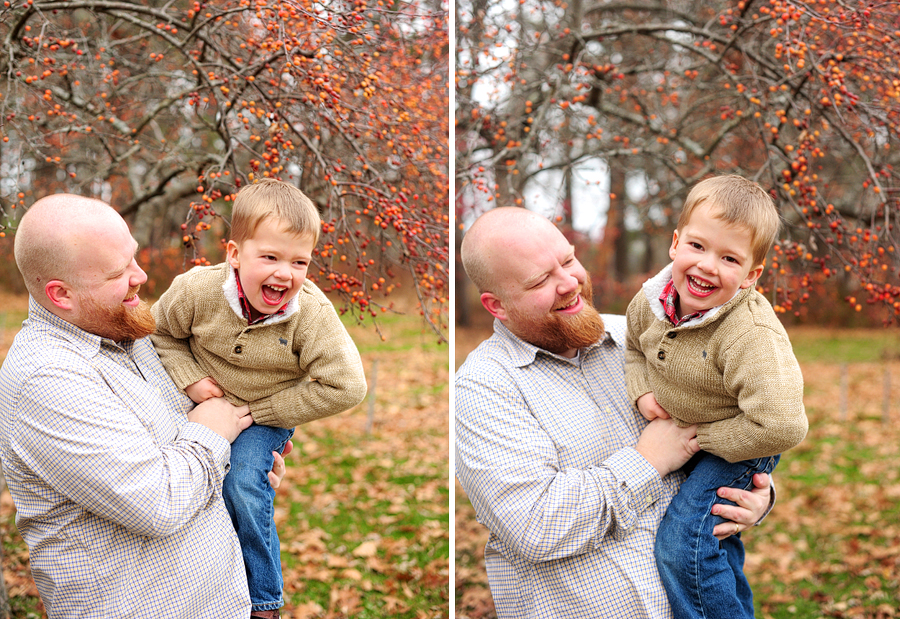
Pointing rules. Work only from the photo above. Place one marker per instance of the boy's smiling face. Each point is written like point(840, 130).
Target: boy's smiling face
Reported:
point(712, 260)
point(272, 265)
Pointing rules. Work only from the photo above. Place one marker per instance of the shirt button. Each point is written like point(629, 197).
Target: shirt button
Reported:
point(238, 349)
point(671, 335)
point(661, 355)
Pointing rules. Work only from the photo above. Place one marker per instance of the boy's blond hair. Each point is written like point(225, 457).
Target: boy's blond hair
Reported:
point(270, 198)
point(738, 202)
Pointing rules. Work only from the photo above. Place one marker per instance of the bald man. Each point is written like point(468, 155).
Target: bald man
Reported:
point(115, 477)
point(570, 480)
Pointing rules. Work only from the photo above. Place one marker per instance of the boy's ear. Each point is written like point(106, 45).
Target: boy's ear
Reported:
point(754, 274)
point(60, 294)
point(231, 254)
point(674, 245)
point(493, 305)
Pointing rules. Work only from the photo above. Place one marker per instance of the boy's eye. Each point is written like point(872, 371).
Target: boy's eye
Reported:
point(731, 259)
point(695, 245)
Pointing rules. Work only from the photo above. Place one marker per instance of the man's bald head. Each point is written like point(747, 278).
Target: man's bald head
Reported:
point(54, 237)
point(493, 240)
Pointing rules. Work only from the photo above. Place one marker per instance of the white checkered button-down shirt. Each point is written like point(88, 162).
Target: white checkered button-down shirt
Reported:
point(545, 452)
point(117, 495)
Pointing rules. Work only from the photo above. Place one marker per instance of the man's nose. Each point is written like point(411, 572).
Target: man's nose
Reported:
point(568, 284)
point(139, 277)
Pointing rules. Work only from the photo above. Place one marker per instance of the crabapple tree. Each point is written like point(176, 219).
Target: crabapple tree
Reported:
point(802, 96)
point(165, 109)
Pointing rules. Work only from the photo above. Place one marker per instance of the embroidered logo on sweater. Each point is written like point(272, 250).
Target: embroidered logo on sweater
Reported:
point(283, 342)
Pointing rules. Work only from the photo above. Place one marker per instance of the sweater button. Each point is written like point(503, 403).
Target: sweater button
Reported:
point(238, 350)
point(661, 355)
point(671, 335)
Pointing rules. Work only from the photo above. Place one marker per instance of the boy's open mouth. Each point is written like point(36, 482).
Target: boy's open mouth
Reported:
point(273, 295)
point(699, 287)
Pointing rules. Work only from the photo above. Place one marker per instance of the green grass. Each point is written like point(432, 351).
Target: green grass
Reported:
point(830, 547)
point(853, 346)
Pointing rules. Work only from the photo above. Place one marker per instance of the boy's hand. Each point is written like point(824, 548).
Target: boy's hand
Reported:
point(278, 466)
point(220, 416)
point(666, 446)
point(650, 408)
point(204, 389)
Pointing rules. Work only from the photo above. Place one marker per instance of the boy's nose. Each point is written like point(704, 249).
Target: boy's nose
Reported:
point(283, 271)
point(707, 263)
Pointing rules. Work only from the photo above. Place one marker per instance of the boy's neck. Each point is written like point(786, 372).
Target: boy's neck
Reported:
point(253, 314)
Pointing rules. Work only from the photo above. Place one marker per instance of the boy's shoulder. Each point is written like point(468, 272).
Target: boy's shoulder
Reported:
point(313, 294)
point(199, 274)
point(751, 311)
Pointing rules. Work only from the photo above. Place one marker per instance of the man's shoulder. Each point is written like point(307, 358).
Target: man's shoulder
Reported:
point(492, 351)
point(615, 325)
point(41, 346)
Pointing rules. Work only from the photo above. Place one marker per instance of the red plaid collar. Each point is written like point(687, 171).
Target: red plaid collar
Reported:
point(248, 310)
point(669, 300)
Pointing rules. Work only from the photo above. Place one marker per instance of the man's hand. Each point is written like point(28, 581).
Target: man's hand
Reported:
point(751, 506)
point(223, 418)
point(666, 446)
point(650, 408)
point(278, 467)
point(203, 390)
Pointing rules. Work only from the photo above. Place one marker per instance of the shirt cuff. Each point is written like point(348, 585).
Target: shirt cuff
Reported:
point(637, 476)
point(218, 447)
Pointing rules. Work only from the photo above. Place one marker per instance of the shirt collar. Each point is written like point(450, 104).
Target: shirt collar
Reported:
point(669, 299)
point(522, 353)
point(89, 342)
point(246, 308)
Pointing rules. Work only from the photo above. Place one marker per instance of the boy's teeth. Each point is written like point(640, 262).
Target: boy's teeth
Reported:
point(698, 284)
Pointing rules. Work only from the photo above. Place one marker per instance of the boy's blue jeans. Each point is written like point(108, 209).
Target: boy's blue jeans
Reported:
point(704, 578)
point(250, 501)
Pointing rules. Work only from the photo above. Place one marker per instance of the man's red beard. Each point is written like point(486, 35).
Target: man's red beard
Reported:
point(558, 332)
point(118, 323)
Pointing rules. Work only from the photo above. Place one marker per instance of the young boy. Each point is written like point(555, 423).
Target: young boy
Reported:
point(256, 331)
point(704, 347)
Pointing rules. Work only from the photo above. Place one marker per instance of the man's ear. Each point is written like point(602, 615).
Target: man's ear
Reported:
point(60, 294)
point(752, 276)
point(231, 252)
point(493, 305)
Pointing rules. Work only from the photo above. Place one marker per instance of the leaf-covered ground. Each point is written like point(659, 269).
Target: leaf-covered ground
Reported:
point(363, 514)
point(831, 547)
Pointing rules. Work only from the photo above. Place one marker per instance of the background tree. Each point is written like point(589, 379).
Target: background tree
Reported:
point(166, 108)
point(803, 97)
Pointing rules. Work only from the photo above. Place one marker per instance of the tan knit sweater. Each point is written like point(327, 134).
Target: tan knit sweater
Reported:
point(290, 369)
point(732, 371)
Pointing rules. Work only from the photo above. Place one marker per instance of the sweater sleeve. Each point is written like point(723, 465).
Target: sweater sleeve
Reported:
point(761, 370)
point(335, 380)
point(174, 315)
point(636, 376)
